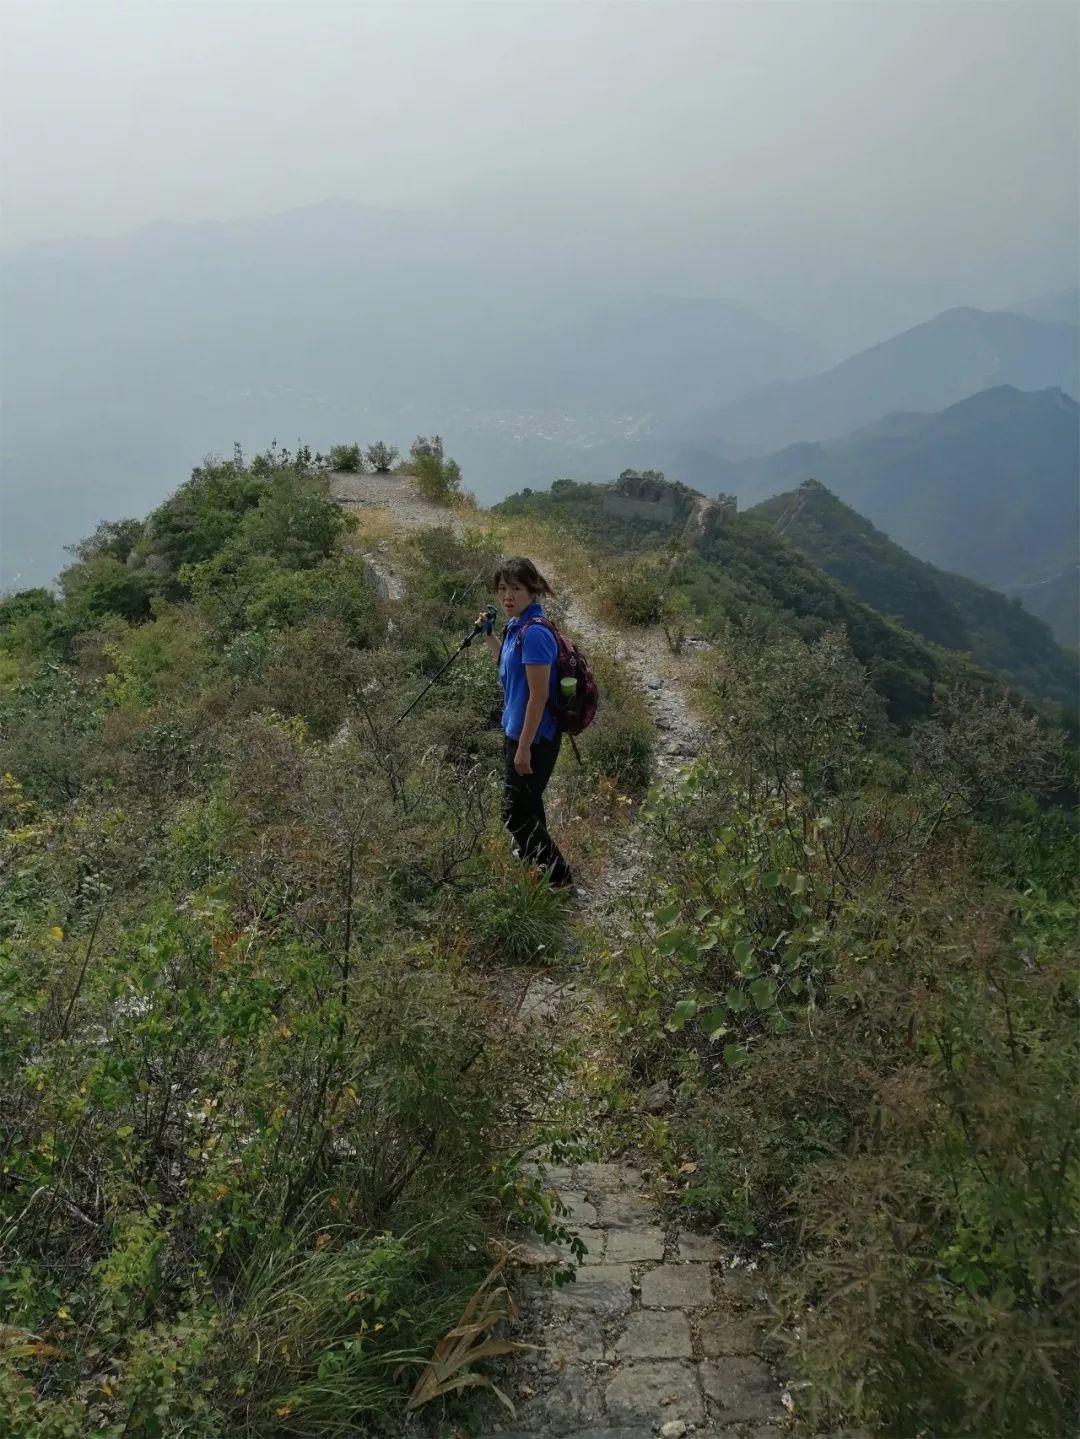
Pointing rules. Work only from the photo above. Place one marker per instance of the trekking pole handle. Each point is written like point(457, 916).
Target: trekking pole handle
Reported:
point(485, 623)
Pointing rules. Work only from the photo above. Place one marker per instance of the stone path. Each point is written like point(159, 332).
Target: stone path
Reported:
point(662, 1331)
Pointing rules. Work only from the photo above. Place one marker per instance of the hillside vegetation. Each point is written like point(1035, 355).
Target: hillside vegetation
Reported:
point(262, 1108)
point(946, 609)
point(739, 572)
point(988, 488)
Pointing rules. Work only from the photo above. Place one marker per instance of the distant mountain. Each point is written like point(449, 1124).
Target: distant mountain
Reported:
point(1060, 308)
point(944, 608)
point(935, 365)
point(1055, 598)
point(987, 488)
point(123, 360)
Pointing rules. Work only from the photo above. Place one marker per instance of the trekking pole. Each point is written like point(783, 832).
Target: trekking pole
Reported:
point(483, 626)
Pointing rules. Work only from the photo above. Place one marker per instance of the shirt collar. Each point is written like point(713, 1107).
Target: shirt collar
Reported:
point(536, 608)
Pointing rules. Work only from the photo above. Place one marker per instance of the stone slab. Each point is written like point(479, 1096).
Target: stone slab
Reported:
point(677, 1286)
point(594, 1241)
point(601, 1178)
point(653, 1392)
point(635, 1246)
point(574, 1337)
point(728, 1334)
point(741, 1282)
point(600, 1289)
point(620, 1433)
point(580, 1211)
point(742, 1391)
point(624, 1209)
point(558, 1176)
point(698, 1248)
point(650, 1334)
point(574, 1400)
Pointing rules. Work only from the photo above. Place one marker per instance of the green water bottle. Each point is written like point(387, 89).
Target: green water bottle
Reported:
point(568, 686)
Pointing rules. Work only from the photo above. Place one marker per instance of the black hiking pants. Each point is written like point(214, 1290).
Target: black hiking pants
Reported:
point(523, 808)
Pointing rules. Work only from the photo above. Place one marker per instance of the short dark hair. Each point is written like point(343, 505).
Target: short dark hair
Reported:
point(520, 571)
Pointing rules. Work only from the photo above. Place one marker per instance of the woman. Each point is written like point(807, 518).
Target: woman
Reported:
point(526, 658)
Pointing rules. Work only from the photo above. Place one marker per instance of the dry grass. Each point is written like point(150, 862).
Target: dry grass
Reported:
point(472, 1339)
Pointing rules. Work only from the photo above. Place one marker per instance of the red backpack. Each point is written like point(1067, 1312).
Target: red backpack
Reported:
point(576, 711)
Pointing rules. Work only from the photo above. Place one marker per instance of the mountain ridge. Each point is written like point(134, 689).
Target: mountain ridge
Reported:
point(944, 608)
point(987, 488)
point(930, 367)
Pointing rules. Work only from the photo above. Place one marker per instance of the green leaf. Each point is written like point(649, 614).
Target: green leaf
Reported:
point(688, 949)
point(763, 992)
point(735, 1055)
point(712, 1022)
point(684, 1010)
point(736, 999)
point(771, 878)
point(668, 943)
point(798, 884)
point(742, 952)
point(668, 915)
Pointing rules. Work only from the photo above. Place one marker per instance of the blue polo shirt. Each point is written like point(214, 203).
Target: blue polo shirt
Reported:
point(538, 646)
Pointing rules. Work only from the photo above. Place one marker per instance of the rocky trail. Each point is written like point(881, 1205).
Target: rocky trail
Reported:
point(664, 1331)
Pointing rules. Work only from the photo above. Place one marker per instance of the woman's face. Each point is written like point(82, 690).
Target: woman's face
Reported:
point(514, 598)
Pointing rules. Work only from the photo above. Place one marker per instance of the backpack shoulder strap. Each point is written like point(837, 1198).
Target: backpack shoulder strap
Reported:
point(535, 620)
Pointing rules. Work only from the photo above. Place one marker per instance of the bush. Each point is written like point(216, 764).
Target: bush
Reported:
point(618, 745)
point(438, 478)
point(348, 458)
point(197, 521)
point(30, 623)
point(870, 1042)
point(381, 457)
point(116, 538)
point(102, 586)
point(521, 920)
point(633, 593)
point(235, 1196)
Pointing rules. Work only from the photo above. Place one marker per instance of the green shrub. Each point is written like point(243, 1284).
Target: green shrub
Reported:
point(348, 458)
point(620, 749)
point(522, 920)
point(381, 457)
point(198, 520)
point(102, 586)
point(295, 520)
point(618, 746)
point(874, 1051)
point(633, 593)
point(438, 478)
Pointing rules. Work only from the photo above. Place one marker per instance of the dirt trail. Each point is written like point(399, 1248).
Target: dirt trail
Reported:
point(664, 1330)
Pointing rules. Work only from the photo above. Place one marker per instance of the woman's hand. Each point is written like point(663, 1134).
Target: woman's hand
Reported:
point(523, 760)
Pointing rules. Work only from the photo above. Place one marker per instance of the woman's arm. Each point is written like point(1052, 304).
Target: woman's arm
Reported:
point(539, 677)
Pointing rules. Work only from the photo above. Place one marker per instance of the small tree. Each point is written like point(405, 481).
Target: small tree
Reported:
point(116, 538)
point(347, 457)
point(439, 478)
point(381, 456)
point(425, 448)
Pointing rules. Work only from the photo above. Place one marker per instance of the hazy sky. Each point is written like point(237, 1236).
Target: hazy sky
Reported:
point(934, 143)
